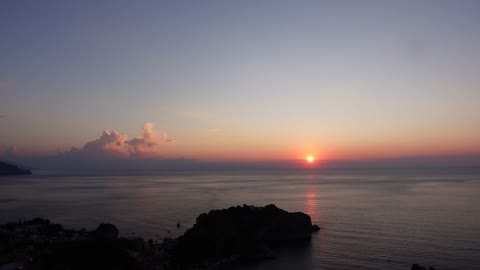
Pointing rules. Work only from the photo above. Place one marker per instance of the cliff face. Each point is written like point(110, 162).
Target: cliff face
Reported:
point(9, 169)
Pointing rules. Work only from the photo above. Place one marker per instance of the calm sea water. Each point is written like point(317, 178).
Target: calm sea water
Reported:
point(370, 219)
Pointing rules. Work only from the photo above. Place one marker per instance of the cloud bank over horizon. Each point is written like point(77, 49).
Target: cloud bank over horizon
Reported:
point(112, 145)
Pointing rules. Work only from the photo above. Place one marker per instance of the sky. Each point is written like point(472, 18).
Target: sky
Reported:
point(240, 80)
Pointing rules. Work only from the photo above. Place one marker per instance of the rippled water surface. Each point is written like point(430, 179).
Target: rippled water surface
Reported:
point(370, 219)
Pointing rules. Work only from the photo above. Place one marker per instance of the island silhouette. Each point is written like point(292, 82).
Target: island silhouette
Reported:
point(10, 169)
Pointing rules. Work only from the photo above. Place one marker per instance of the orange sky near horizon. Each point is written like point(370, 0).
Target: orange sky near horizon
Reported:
point(242, 81)
point(243, 151)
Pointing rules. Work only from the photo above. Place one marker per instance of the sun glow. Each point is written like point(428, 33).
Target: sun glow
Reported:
point(310, 159)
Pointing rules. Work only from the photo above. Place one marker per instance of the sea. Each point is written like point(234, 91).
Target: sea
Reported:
point(369, 218)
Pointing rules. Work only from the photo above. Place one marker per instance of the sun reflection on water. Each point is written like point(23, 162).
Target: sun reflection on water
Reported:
point(311, 200)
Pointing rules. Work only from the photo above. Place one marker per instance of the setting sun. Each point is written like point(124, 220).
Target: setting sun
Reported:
point(310, 159)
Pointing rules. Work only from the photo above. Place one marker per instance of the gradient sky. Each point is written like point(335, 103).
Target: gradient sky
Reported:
point(244, 80)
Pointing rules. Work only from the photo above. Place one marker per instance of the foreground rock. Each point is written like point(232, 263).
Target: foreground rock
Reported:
point(40, 244)
point(419, 267)
point(106, 231)
point(240, 234)
point(219, 239)
point(10, 169)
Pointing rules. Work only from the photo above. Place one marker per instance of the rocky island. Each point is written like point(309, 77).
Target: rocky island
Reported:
point(10, 169)
point(219, 239)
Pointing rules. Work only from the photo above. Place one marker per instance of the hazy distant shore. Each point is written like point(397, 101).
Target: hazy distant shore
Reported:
point(10, 169)
point(132, 166)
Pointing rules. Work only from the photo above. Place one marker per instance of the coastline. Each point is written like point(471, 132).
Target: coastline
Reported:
point(219, 239)
point(151, 207)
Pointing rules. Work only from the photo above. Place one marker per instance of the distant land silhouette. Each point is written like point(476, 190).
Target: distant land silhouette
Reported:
point(131, 165)
point(10, 169)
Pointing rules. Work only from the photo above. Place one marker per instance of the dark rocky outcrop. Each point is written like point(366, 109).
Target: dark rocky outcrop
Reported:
point(419, 267)
point(10, 169)
point(218, 239)
point(105, 231)
point(240, 233)
point(40, 244)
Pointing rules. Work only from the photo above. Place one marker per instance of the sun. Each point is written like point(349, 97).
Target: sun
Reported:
point(310, 159)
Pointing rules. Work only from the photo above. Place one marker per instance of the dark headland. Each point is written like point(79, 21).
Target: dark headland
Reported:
point(219, 239)
point(10, 169)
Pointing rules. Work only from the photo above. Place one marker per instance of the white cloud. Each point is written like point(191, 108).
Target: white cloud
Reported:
point(115, 145)
point(111, 143)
